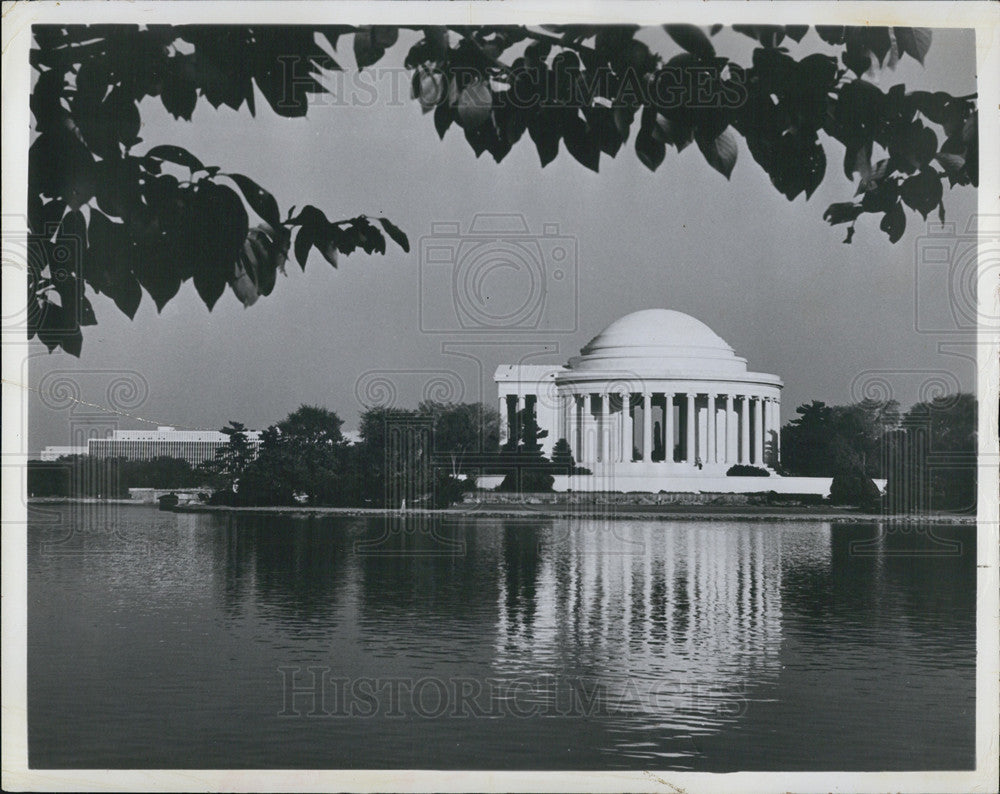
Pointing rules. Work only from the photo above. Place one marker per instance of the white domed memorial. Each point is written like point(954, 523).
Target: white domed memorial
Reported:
point(655, 399)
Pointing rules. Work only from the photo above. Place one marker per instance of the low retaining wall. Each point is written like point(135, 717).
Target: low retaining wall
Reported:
point(152, 495)
point(584, 498)
point(681, 485)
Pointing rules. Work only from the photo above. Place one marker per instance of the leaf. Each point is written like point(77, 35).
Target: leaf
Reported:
point(263, 255)
point(796, 32)
point(260, 200)
point(894, 222)
point(60, 166)
point(367, 50)
point(938, 107)
point(398, 235)
point(922, 191)
point(71, 341)
point(220, 227)
point(329, 252)
point(87, 316)
point(582, 144)
point(45, 100)
point(303, 243)
point(474, 104)
point(385, 35)
point(842, 212)
point(124, 114)
point(857, 160)
point(430, 88)
point(601, 122)
point(243, 285)
point(878, 42)
point(858, 61)
point(309, 216)
point(442, 119)
point(953, 165)
point(831, 34)
point(623, 118)
point(177, 155)
point(72, 235)
point(720, 152)
point(126, 293)
point(545, 134)
point(159, 277)
point(692, 39)
point(915, 42)
point(179, 93)
point(650, 151)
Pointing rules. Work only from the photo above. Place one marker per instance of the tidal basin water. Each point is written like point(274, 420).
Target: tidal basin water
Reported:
point(200, 641)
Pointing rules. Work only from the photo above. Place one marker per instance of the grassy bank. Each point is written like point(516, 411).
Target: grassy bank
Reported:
point(624, 512)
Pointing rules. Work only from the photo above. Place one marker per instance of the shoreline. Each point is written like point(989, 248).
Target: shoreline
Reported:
point(617, 512)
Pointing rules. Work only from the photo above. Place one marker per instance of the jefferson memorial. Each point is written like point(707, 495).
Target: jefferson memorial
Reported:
point(656, 401)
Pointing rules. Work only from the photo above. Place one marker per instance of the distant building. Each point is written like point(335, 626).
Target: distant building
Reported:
point(194, 446)
point(54, 453)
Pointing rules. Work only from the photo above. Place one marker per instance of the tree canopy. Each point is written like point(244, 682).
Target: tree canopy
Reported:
point(109, 214)
point(932, 457)
point(824, 440)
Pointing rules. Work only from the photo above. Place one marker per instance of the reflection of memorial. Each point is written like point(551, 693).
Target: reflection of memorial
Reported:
point(668, 618)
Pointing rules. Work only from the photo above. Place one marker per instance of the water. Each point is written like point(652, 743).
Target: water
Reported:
point(199, 641)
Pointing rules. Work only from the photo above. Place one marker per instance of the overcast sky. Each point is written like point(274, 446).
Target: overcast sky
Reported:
point(769, 276)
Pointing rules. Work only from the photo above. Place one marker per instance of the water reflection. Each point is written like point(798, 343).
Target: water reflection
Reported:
point(704, 645)
point(292, 574)
point(672, 622)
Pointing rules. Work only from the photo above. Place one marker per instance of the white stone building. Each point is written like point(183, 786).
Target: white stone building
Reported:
point(194, 446)
point(655, 397)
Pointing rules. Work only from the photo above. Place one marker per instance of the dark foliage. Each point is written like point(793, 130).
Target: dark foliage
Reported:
point(563, 461)
point(932, 458)
point(417, 457)
point(744, 470)
point(855, 488)
point(826, 439)
point(159, 216)
point(83, 476)
point(527, 469)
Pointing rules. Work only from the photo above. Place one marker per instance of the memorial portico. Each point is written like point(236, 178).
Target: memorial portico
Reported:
point(657, 393)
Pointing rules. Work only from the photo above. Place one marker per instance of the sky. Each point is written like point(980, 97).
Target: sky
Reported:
point(836, 322)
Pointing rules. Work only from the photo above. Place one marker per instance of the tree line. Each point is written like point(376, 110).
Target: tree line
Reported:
point(430, 456)
point(927, 454)
point(82, 475)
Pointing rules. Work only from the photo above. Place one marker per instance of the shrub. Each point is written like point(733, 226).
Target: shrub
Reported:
point(742, 470)
point(854, 488)
point(530, 481)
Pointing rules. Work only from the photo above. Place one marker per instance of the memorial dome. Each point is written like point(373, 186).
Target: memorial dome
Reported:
point(660, 338)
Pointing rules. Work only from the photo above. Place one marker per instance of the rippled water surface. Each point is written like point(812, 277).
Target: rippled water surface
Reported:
point(169, 640)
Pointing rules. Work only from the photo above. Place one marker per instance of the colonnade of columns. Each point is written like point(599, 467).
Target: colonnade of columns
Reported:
point(696, 428)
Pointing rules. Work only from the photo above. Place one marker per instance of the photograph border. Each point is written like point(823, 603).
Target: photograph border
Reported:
point(17, 21)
